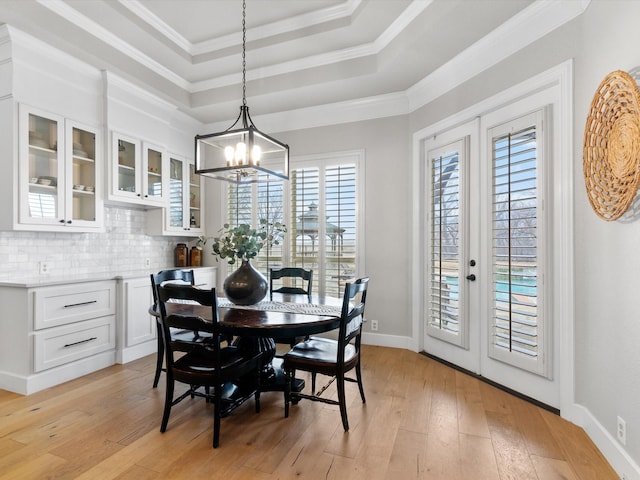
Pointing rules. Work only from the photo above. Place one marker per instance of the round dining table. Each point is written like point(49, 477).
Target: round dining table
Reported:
point(255, 326)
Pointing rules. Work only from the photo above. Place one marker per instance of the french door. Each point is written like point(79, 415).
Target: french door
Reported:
point(485, 252)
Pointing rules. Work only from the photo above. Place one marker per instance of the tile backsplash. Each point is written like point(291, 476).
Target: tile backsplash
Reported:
point(122, 248)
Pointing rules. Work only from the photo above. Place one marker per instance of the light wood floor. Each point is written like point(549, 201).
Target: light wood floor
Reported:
point(422, 420)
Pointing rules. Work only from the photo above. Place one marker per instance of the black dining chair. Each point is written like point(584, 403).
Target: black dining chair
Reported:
point(187, 337)
point(207, 365)
point(333, 358)
point(300, 282)
point(291, 273)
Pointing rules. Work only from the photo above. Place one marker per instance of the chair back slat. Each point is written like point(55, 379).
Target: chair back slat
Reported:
point(353, 304)
point(175, 276)
point(171, 292)
point(295, 273)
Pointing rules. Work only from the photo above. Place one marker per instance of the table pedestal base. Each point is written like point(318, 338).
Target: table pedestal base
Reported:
point(272, 377)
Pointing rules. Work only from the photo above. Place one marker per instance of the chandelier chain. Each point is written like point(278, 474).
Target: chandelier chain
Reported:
point(244, 47)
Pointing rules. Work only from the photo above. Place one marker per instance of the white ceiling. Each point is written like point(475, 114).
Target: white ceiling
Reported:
point(300, 53)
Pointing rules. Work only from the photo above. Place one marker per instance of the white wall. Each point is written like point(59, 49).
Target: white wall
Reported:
point(386, 143)
point(607, 254)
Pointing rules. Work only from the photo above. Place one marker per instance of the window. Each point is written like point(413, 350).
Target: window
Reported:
point(319, 206)
point(444, 243)
point(516, 235)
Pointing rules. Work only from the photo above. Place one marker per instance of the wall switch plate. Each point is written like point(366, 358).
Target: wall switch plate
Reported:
point(44, 268)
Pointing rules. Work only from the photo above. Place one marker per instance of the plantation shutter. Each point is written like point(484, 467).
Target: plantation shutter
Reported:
point(304, 232)
point(445, 249)
point(516, 271)
point(319, 207)
point(270, 208)
point(340, 227)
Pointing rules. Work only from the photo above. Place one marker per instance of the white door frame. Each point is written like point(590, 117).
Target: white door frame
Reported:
point(558, 80)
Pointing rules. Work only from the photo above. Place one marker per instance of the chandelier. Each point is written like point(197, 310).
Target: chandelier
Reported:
point(242, 153)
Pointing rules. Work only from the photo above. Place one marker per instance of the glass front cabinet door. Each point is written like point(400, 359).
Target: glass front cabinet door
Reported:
point(60, 181)
point(185, 198)
point(137, 171)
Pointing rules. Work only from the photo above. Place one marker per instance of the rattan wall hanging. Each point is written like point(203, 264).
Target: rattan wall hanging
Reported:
point(611, 154)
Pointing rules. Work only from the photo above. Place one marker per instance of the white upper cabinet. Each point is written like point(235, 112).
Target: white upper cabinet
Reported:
point(138, 171)
point(184, 213)
point(59, 181)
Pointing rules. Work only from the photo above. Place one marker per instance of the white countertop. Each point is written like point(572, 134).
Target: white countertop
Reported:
point(51, 280)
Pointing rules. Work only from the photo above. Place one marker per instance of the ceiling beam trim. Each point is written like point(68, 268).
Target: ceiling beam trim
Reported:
point(81, 21)
point(526, 27)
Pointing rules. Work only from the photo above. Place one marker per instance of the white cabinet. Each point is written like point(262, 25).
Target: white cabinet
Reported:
point(55, 333)
point(138, 171)
point(137, 328)
point(60, 181)
point(184, 215)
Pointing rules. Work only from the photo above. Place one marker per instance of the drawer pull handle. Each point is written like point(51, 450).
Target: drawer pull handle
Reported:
point(80, 304)
point(81, 341)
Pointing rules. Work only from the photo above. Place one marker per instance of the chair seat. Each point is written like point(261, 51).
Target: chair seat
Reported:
point(318, 350)
point(197, 362)
point(190, 336)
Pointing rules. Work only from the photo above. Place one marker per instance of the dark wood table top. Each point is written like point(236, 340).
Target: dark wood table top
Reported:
point(266, 323)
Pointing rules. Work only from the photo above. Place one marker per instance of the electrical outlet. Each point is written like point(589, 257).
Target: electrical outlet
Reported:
point(44, 268)
point(147, 262)
point(374, 325)
point(621, 431)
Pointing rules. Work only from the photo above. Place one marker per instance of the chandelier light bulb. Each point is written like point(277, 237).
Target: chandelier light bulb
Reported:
point(229, 154)
point(241, 153)
point(256, 155)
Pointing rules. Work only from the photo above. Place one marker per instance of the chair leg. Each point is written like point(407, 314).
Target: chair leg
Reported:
point(216, 416)
point(287, 393)
point(313, 383)
point(343, 401)
point(359, 378)
point(167, 405)
point(159, 359)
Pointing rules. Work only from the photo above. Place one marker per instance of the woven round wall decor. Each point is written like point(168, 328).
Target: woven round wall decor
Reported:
point(611, 155)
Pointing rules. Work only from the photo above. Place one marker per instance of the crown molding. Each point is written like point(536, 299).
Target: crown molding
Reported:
point(299, 22)
point(533, 23)
point(370, 108)
point(81, 21)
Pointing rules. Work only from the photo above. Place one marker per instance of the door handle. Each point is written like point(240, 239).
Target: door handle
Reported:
point(471, 277)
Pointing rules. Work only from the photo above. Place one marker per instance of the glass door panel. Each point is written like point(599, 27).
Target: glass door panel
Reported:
point(194, 198)
point(126, 166)
point(176, 193)
point(83, 175)
point(154, 173)
point(44, 168)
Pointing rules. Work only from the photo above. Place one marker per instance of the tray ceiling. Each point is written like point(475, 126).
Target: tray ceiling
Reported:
point(299, 53)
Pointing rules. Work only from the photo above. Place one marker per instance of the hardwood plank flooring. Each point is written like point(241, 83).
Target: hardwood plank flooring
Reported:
point(422, 420)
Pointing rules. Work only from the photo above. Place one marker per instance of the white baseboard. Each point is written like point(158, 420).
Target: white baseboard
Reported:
point(381, 340)
point(615, 454)
point(26, 385)
point(137, 351)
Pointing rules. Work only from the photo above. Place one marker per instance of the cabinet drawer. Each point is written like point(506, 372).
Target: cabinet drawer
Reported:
point(60, 345)
point(54, 306)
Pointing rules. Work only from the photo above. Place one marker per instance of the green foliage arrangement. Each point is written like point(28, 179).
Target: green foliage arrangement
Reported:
point(243, 242)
